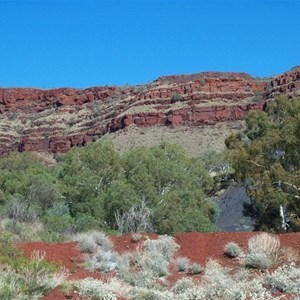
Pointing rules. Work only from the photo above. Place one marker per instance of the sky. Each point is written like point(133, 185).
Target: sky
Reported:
point(73, 43)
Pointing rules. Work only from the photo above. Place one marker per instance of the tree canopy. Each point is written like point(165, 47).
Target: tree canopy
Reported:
point(100, 182)
point(266, 158)
point(90, 185)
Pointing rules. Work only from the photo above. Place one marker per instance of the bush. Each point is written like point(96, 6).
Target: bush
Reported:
point(86, 243)
point(85, 223)
point(232, 250)
point(195, 268)
point(175, 98)
point(164, 245)
point(182, 264)
point(150, 294)
point(91, 240)
point(182, 285)
point(101, 240)
point(61, 224)
point(137, 219)
point(263, 251)
point(94, 289)
point(105, 261)
point(286, 279)
point(28, 278)
point(154, 263)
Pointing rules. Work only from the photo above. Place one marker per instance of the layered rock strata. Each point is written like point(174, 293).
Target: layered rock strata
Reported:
point(56, 120)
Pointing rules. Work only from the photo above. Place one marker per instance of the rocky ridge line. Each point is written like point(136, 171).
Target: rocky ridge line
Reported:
point(57, 119)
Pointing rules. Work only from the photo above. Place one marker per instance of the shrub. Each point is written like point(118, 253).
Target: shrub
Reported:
point(105, 261)
point(61, 224)
point(182, 285)
point(17, 209)
point(232, 250)
point(150, 294)
point(175, 98)
point(263, 250)
point(7, 248)
point(13, 227)
point(138, 270)
point(89, 241)
point(164, 245)
point(154, 263)
point(136, 219)
point(101, 240)
point(94, 289)
point(85, 222)
point(195, 268)
point(86, 243)
point(131, 272)
point(59, 209)
point(182, 264)
point(286, 279)
point(29, 278)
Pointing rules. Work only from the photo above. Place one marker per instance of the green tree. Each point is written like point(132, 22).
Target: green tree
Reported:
point(266, 158)
point(99, 183)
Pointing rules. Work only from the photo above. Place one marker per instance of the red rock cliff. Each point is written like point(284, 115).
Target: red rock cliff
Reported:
point(57, 119)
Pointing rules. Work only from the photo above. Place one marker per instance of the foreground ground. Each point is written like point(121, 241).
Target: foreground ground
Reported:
point(198, 247)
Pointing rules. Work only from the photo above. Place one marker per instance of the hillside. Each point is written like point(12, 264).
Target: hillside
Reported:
point(203, 106)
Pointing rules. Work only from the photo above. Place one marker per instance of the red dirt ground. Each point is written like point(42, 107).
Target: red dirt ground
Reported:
point(198, 247)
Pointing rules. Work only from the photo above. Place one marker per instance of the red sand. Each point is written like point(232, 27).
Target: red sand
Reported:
point(198, 247)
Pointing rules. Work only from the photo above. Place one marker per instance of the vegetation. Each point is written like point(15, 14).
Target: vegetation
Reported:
point(90, 288)
point(23, 278)
point(266, 159)
point(139, 271)
point(263, 251)
point(96, 188)
point(175, 98)
point(232, 250)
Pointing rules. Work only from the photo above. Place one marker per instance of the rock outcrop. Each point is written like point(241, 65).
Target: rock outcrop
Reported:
point(56, 120)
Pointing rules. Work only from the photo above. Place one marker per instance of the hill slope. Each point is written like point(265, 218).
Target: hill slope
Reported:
point(56, 120)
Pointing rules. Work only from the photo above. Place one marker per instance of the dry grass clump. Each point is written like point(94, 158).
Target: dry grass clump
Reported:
point(91, 240)
point(263, 251)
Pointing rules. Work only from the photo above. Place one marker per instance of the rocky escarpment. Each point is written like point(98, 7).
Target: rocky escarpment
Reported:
point(56, 120)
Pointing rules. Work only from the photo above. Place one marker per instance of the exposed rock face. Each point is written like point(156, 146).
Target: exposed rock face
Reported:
point(56, 120)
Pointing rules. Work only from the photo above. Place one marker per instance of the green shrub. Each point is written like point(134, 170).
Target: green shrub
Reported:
point(13, 227)
point(90, 288)
point(175, 98)
point(28, 278)
point(85, 223)
point(195, 268)
point(52, 237)
point(7, 247)
point(61, 224)
point(59, 209)
point(232, 250)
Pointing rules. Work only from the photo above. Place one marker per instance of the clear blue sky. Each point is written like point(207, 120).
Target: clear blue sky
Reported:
point(87, 43)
